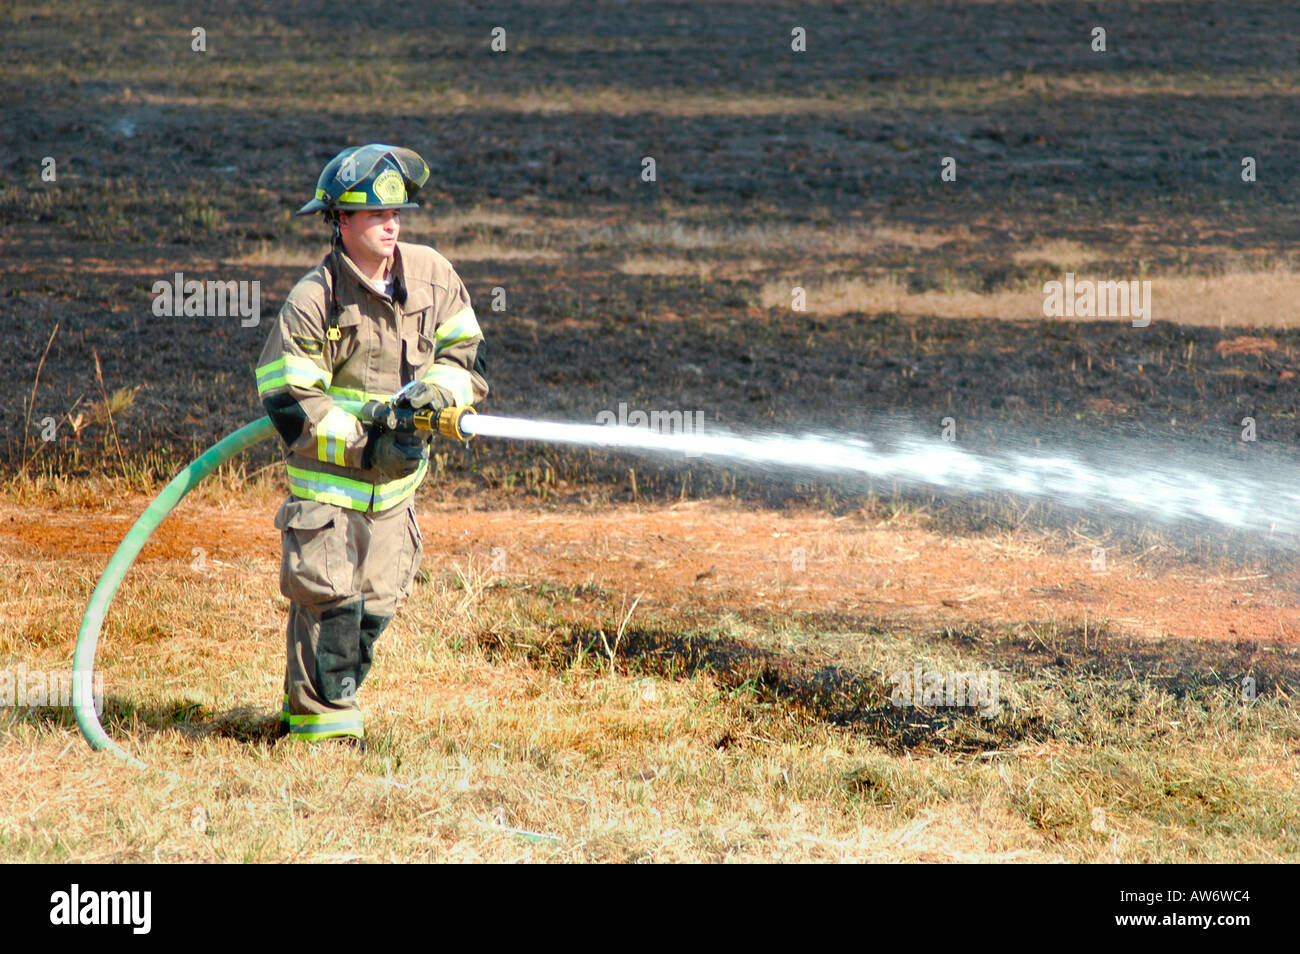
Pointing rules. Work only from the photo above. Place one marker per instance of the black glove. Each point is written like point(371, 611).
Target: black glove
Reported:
point(420, 396)
point(394, 455)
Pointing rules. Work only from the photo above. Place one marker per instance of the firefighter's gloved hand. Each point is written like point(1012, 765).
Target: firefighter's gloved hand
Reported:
point(394, 455)
point(419, 395)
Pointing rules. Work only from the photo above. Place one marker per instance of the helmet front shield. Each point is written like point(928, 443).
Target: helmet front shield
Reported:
point(374, 176)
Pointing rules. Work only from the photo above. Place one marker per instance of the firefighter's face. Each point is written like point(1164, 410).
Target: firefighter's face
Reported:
point(373, 232)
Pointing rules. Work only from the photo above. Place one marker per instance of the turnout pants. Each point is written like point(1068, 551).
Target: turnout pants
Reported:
point(343, 572)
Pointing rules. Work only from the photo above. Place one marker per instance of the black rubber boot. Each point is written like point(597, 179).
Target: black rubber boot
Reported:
point(372, 627)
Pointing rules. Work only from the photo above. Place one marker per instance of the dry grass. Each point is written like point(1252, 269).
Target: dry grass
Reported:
point(253, 84)
point(488, 744)
point(1269, 299)
point(887, 295)
point(456, 250)
point(664, 265)
point(776, 238)
point(1062, 253)
point(52, 492)
point(485, 234)
point(1238, 299)
point(477, 250)
point(280, 254)
point(474, 219)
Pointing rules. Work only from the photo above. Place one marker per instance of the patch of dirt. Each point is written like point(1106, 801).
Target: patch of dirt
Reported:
point(1247, 344)
point(702, 558)
point(711, 558)
point(72, 534)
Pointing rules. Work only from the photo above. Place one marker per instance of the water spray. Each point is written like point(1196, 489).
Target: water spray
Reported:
point(1152, 484)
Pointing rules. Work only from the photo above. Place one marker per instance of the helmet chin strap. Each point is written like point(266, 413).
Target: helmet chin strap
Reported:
point(332, 332)
point(399, 287)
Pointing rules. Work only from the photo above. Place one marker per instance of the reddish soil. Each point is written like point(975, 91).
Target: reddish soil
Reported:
point(701, 558)
point(168, 161)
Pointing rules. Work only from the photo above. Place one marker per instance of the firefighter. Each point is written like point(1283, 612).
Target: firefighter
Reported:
point(374, 315)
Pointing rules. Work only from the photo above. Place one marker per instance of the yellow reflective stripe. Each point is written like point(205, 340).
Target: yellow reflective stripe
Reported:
point(356, 394)
point(291, 370)
point(454, 379)
point(395, 491)
point(339, 717)
point(353, 494)
point(459, 327)
point(327, 488)
point(312, 726)
point(271, 376)
point(346, 196)
point(332, 435)
point(329, 449)
point(305, 373)
point(328, 496)
point(270, 385)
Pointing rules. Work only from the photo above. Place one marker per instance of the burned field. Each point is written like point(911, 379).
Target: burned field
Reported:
point(797, 264)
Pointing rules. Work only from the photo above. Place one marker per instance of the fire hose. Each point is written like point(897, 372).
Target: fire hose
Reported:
point(405, 411)
point(396, 415)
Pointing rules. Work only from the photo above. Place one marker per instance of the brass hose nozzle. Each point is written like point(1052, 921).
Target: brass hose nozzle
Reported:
point(449, 422)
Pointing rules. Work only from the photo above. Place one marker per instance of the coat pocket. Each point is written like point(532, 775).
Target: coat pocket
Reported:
point(418, 348)
point(314, 557)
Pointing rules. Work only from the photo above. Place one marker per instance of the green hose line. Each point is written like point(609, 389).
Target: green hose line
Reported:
point(83, 660)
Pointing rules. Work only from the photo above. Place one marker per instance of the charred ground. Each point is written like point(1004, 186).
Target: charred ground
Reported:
point(772, 167)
